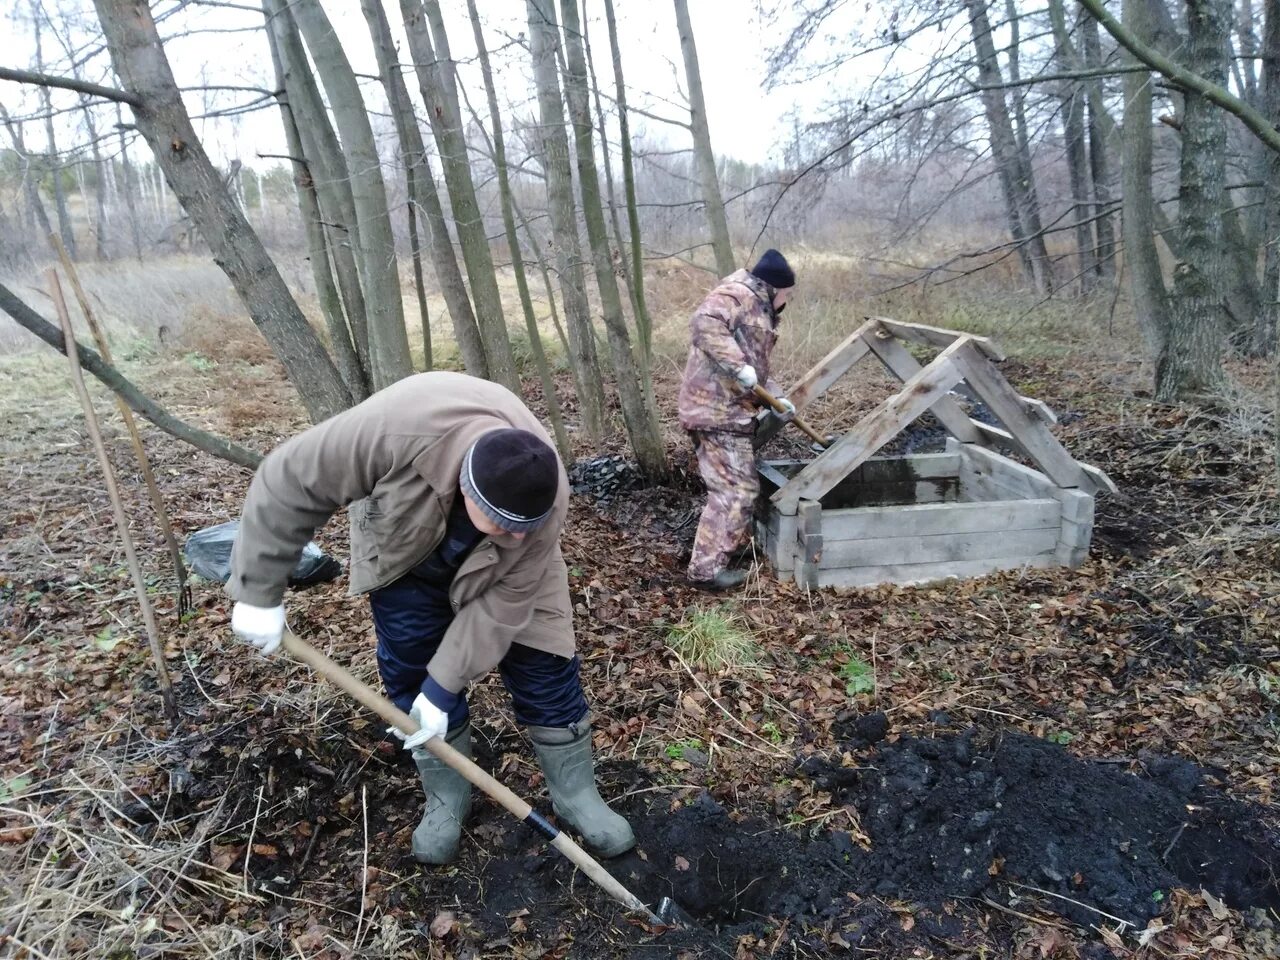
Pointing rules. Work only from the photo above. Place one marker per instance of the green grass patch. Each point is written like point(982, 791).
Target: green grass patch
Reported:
point(714, 638)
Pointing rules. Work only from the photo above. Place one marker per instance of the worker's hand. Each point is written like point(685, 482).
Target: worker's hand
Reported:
point(788, 411)
point(431, 721)
point(260, 627)
point(747, 377)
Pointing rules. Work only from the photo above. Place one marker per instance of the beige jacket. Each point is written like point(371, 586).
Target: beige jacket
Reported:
point(394, 461)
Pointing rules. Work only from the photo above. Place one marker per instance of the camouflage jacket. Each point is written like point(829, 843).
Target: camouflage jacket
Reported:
point(734, 326)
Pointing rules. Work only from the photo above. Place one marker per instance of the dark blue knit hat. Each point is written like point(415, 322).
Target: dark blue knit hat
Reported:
point(513, 477)
point(774, 270)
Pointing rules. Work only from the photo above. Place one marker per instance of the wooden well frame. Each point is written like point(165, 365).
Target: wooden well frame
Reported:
point(850, 519)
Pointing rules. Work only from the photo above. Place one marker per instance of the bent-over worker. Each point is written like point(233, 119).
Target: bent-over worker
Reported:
point(456, 500)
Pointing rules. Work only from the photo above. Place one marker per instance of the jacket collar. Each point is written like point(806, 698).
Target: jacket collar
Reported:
point(761, 290)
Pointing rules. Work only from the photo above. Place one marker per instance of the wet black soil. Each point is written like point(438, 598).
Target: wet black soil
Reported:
point(996, 814)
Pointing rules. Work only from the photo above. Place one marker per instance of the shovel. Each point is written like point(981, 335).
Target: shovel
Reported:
point(820, 442)
point(668, 913)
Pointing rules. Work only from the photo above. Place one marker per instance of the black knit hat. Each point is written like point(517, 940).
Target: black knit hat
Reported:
point(774, 270)
point(512, 476)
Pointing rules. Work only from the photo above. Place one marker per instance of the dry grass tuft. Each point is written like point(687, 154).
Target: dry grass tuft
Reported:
point(714, 639)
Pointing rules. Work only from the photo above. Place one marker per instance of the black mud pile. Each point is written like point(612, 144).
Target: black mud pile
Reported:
point(994, 816)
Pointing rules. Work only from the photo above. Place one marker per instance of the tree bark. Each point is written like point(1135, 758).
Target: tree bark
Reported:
point(543, 43)
point(389, 357)
point(1189, 365)
point(1265, 334)
point(1071, 97)
point(353, 375)
point(328, 169)
point(639, 414)
point(1012, 168)
point(35, 212)
point(499, 150)
point(1146, 280)
point(704, 155)
point(65, 229)
point(1099, 122)
point(644, 326)
point(621, 263)
point(429, 44)
point(130, 187)
point(138, 402)
point(454, 289)
point(139, 60)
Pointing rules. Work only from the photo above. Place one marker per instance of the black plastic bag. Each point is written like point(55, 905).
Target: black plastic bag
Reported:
point(208, 553)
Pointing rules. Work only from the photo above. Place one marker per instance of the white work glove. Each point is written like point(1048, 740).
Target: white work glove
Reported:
point(788, 408)
point(431, 721)
point(747, 376)
point(260, 627)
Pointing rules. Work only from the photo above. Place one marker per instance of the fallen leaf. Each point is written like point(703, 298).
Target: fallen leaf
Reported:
point(682, 864)
point(265, 850)
point(1216, 906)
point(443, 924)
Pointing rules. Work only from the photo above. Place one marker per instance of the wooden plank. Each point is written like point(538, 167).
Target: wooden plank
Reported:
point(916, 466)
point(808, 544)
point(942, 548)
point(937, 336)
point(1040, 409)
point(1101, 482)
point(872, 432)
point(853, 494)
point(778, 535)
point(817, 380)
point(1042, 446)
point(908, 574)
point(1019, 480)
point(1077, 506)
point(940, 519)
point(904, 366)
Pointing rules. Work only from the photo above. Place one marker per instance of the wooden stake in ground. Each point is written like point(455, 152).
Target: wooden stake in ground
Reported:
point(144, 464)
point(117, 506)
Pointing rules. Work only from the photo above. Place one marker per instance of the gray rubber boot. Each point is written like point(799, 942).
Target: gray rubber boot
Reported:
point(448, 802)
point(564, 753)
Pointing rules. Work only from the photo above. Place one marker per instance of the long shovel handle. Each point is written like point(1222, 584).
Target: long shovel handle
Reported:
point(773, 402)
point(366, 696)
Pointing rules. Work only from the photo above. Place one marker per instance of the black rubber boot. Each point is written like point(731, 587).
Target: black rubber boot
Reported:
point(564, 753)
point(724, 580)
point(448, 802)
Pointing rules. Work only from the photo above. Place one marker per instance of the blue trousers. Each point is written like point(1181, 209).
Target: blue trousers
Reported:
point(410, 619)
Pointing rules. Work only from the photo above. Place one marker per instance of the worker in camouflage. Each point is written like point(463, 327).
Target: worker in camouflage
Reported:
point(732, 337)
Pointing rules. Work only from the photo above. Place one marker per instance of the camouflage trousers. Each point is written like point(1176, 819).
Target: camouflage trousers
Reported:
point(727, 463)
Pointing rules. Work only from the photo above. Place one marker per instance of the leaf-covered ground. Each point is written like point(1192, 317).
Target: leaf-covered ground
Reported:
point(871, 786)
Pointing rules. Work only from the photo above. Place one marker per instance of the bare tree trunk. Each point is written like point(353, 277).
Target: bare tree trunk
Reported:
point(702, 151)
point(640, 417)
point(115, 381)
point(1146, 281)
point(413, 151)
point(1015, 177)
point(1189, 365)
point(543, 43)
point(139, 60)
point(35, 212)
point(1265, 333)
point(65, 230)
point(621, 262)
point(1099, 123)
point(330, 300)
point(130, 186)
point(549, 289)
point(644, 326)
point(328, 169)
point(429, 44)
point(1071, 97)
point(499, 150)
point(427, 202)
point(389, 357)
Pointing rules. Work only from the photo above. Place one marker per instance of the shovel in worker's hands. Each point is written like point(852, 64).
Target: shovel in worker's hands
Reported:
point(820, 443)
point(668, 913)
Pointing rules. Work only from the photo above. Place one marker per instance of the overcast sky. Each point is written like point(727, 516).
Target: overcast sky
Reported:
point(747, 122)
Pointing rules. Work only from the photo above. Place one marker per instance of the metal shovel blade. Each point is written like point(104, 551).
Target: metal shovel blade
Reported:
point(671, 914)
